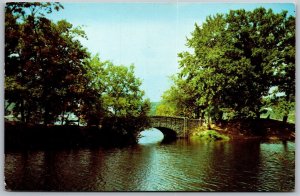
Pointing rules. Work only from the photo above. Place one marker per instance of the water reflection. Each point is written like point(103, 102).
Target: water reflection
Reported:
point(184, 165)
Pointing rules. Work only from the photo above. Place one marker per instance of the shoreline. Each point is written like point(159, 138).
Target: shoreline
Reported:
point(20, 136)
point(263, 129)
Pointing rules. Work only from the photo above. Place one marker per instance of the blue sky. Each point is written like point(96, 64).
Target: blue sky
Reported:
point(148, 35)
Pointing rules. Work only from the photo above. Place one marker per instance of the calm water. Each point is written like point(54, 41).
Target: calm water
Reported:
point(184, 165)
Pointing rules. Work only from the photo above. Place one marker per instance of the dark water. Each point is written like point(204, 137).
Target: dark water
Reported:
point(184, 165)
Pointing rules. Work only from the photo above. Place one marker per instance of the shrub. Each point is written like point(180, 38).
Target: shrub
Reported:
point(212, 135)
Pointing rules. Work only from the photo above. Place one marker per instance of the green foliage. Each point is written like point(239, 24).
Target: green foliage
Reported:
point(116, 92)
point(122, 96)
point(178, 100)
point(278, 108)
point(43, 63)
point(50, 76)
point(237, 58)
point(211, 135)
point(153, 108)
point(123, 102)
point(165, 110)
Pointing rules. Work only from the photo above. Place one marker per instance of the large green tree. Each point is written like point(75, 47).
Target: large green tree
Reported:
point(43, 63)
point(116, 100)
point(50, 76)
point(123, 100)
point(237, 58)
point(179, 100)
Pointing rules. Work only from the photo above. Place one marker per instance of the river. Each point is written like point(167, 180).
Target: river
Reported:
point(182, 165)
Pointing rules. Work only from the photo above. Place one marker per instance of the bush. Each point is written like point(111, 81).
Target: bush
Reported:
point(212, 135)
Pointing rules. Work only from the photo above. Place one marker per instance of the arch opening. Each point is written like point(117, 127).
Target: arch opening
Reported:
point(169, 134)
point(150, 136)
point(157, 135)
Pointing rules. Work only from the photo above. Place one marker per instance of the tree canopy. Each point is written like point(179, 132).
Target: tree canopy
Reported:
point(237, 58)
point(116, 92)
point(44, 65)
point(49, 75)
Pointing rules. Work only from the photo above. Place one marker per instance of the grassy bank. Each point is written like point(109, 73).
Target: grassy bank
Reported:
point(267, 129)
point(211, 135)
point(276, 114)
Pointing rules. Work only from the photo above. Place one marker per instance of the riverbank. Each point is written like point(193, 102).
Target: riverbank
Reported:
point(266, 129)
point(20, 136)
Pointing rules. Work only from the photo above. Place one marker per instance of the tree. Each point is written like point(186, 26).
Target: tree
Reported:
point(236, 59)
point(116, 101)
point(43, 63)
point(199, 70)
point(50, 76)
point(259, 36)
point(285, 72)
point(91, 109)
point(123, 100)
point(122, 96)
point(165, 110)
point(179, 100)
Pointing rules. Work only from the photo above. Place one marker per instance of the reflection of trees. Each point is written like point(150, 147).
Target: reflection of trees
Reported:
point(15, 164)
point(235, 166)
point(128, 169)
point(54, 171)
point(211, 166)
point(287, 165)
point(278, 166)
point(24, 171)
point(181, 166)
point(83, 169)
point(69, 170)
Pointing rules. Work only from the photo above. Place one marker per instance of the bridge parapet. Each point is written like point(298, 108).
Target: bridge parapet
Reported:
point(180, 125)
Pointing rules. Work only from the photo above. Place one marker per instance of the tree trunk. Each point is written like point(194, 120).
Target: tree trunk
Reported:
point(28, 116)
point(257, 115)
point(286, 113)
point(63, 118)
point(197, 112)
point(284, 120)
point(22, 112)
point(46, 115)
point(202, 117)
point(209, 123)
point(220, 117)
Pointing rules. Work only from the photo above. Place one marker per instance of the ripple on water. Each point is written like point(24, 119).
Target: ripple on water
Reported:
point(178, 166)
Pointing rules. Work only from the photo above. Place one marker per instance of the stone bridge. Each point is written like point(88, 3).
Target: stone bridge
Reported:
point(172, 126)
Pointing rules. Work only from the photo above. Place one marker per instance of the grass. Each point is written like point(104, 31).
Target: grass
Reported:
point(276, 115)
point(212, 135)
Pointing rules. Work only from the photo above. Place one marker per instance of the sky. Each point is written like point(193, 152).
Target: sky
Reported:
point(148, 35)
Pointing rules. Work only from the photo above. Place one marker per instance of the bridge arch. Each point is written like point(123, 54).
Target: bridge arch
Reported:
point(169, 126)
point(174, 126)
point(168, 133)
